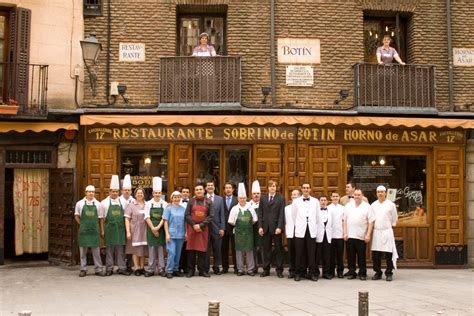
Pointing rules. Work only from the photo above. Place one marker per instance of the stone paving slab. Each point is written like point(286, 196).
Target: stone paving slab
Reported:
point(50, 290)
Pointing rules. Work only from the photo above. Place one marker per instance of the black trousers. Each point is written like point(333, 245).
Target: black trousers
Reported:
point(356, 249)
point(377, 261)
point(183, 260)
point(291, 254)
point(214, 245)
point(337, 255)
point(306, 254)
point(227, 240)
point(268, 239)
point(201, 261)
point(323, 253)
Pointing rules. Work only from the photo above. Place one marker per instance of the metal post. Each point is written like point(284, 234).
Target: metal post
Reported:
point(363, 303)
point(213, 309)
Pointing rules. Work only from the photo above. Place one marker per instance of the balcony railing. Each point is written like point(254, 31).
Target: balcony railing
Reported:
point(395, 88)
point(25, 84)
point(200, 80)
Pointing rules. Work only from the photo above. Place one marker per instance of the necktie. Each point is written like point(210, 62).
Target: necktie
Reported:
point(305, 199)
point(271, 198)
point(228, 202)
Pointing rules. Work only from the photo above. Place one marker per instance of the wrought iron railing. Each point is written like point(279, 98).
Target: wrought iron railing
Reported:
point(25, 85)
point(394, 88)
point(191, 80)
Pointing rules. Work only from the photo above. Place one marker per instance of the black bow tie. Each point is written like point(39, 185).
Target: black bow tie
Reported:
point(324, 209)
point(185, 201)
point(351, 197)
point(305, 199)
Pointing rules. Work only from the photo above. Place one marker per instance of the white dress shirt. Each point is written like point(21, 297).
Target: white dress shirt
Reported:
point(357, 219)
point(336, 211)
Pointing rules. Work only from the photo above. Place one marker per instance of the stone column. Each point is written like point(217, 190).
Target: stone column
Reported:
point(469, 190)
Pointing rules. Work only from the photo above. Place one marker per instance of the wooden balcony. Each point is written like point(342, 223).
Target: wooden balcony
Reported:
point(26, 86)
point(200, 81)
point(395, 88)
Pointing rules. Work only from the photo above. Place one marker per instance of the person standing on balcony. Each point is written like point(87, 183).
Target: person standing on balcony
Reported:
point(204, 49)
point(386, 54)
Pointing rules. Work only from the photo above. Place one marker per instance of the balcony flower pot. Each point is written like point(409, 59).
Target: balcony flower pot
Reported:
point(8, 109)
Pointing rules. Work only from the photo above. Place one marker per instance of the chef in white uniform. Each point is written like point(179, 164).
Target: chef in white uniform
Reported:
point(383, 213)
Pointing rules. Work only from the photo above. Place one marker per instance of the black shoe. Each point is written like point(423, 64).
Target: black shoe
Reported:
point(236, 271)
point(297, 278)
point(314, 278)
point(177, 274)
point(204, 274)
point(100, 273)
point(217, 272)
point(347, 274)
point(251, 273)
point(327, 277)
point(137, 272)
point(280, 274)
point(240, 273)
point(123, 272)
point(389, 278)
point(377, 276)
point(169, 275)
point(129, 269)
point(189, 275)
point(109, 273)
point(352, 277)
point(162, 273)
point(291, 275)
point(224, 271)
point(264, 274)
point(148, 274)
point(362, 277)
point(340, 275)
point(82, 273)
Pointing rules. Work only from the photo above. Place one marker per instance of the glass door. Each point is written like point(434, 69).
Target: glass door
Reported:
point(191, 26)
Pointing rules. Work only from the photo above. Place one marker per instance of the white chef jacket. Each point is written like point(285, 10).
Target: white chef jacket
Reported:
point(125, 202)
point(305, 214)
point(80, 206)
point(236, 209)
point(337, 213)
point(384, 216)
point(357, 219)
point(104, 205)
point(153, 203)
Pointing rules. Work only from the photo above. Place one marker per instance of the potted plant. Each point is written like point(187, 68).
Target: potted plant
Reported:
point(10, 107)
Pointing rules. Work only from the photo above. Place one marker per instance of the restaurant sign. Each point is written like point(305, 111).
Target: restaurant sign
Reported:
point(239, 134)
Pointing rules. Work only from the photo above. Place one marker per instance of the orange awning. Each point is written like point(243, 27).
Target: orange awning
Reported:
point(274, 120)
point(37, 127)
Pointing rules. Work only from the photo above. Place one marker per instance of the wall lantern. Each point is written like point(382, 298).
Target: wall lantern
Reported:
point(90, 54)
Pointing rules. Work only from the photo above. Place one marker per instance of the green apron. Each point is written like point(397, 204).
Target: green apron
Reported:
point(89, 228)
point(114, 226)
point(257, 239)
point(244, 231)
point(156, 213)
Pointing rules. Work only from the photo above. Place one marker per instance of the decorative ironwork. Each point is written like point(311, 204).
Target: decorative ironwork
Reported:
point(200, 80)
point(92, 8)
point(29, 156)
point(395, 88)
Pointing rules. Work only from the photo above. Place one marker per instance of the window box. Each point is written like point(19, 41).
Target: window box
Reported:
point(9, 109)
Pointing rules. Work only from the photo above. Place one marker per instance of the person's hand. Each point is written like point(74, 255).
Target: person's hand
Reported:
point(260, 231)
point(185, 236)
point(102, 234)
point(277, 231)
point(155, 229)
point(197, 228)
point(380, 63)
point(168, 238)
point(346, 237)
point(402, 63)
point(129, 236)
point(367, 239)
point(221, 232)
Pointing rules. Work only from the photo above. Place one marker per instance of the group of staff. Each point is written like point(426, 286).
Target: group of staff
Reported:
point(193, 228)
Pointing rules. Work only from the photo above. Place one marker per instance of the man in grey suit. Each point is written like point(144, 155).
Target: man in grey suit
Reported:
point(217, 228)
point(230, 200)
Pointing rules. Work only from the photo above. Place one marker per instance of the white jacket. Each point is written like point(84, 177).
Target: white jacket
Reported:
point(289, 221)
point(305, 214)
point(321, 229)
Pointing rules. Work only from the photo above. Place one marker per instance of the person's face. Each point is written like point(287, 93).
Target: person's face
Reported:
point(242, 200)
point(323, 201)
point(114, 194)
point(386, 41)
point(139, 195)
point(157, 195)
point(381, 195)
point(272, 188)
point(199, 191)
point(228, 189)
point(176, 199)
point(349, 189)
point(210, 188)
point(358, 196)
point(295, 194)
point(185, 193)
point(90, 195)
point(256, 197)
point(126, 193)
point(306, 189)
point(204, 40)
point(335, 198)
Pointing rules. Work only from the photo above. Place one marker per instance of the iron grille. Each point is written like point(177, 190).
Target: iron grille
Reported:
point(29, 156)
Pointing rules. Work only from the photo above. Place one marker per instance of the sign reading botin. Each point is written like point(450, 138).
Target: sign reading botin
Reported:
point(299, 51)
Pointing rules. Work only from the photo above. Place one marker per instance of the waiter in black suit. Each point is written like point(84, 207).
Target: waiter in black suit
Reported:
point(230, 200)
point(271, 219)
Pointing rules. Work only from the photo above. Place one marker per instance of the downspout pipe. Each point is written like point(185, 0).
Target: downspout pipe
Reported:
point(107, 62)
point(450, 56)
point(272, 51)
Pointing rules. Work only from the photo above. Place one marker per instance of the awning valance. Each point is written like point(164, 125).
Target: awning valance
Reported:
point(37, 127)
point(260, 120)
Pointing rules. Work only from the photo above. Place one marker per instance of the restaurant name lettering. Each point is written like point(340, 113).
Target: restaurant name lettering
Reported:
point(273, 134)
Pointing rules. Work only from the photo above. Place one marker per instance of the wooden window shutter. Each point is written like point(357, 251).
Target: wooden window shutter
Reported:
point(19, 54)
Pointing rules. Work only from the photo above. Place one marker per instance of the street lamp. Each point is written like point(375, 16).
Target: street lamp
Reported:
point(90, 53)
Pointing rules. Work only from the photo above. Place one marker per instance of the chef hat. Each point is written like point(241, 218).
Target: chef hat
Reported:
point(157, 184)
point(381, 188)
point(255, 187)
point(90, 188)
point(175, 193)
point(127, 182)
point(241, 191)
point(114, 183)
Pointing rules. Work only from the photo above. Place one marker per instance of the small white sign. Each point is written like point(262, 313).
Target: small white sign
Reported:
point(463, 57)
point(131, 52)
point(299, 76)
point(392, 194)
point(299, 51)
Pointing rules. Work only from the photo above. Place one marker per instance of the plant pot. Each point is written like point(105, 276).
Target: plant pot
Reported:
point(9, 109)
